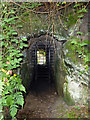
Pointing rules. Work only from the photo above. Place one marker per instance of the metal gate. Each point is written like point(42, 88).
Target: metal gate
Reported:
point(42, 62)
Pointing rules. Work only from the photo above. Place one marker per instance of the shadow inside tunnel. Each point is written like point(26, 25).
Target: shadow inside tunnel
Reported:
point(43, 81)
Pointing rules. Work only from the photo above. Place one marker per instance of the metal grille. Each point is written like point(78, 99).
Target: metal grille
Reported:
point(42, 58)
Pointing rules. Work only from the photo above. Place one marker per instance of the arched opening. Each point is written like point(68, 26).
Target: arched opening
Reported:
point(40, 76)
point(43, 65)
point(43, 61)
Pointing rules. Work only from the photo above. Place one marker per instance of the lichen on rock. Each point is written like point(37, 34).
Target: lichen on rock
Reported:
point(76, 80)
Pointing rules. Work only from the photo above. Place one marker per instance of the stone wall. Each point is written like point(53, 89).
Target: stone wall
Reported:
point(26, 70)
point(59, 73)
point(75, 87)
point(71, 77)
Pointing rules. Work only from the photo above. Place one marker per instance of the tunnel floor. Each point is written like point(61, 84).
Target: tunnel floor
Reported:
point(42, 102)
point(46, 104)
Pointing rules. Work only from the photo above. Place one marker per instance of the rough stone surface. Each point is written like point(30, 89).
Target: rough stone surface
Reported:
point(70, 76)
point(75, 87)
point(70, 72)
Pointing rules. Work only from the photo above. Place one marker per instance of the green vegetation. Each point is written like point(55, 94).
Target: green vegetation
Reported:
point(78, 112)
point(41, 57)
point(10, 60)
point(13, 16)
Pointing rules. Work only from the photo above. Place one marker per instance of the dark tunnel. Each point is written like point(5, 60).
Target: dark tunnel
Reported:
point(43, 66)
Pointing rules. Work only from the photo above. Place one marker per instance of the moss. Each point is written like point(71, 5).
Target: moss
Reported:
point(67, 96)
point(59, 75)
point(63, 66)
point(33, 24)
point(71, 54)
point(25, 74)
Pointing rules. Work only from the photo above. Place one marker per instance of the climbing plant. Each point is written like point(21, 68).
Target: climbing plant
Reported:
point(12, 46)
point(10, 60)
point(80, 43)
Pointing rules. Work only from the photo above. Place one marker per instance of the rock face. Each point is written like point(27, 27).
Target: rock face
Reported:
point(71, 77)
point(75, 87)
point(26, 70)
point(69, 73)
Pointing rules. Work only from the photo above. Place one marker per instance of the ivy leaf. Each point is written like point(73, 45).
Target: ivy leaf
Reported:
point(22, 88)
point(12, 50)
point(17, 66)
point(2, 37)
point(74, 42)
point(21, 45)
point(17, 51)
point(20, 54)
point(19, 26)
point(12, 54)
point(77, 5)
point(9, 100)
point(19, 59)
point(80, 16)
point(17, 41)
point(20, 100)
point(14, 33)
point(13, 40)
point(80, 53)
point(80, 33)
point(83, 44)
point(86, 59)
point(57, 4)
point(25, 45)
point(24, 39)
point(12, 30)
point(82, 10)
point(13, 110)
point(16, 61)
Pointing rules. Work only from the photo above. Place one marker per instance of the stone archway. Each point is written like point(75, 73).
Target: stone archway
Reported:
point(62, 70)
point(32, 67)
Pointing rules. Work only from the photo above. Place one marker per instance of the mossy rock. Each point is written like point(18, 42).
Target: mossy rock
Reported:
point(69, 51)
point(25, 73)
point(67, 96)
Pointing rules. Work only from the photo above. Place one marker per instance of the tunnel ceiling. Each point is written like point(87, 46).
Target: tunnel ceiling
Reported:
point(43, 39)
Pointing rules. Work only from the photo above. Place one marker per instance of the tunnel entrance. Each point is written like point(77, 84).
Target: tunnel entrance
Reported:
point(40, 79)
point(43, 61)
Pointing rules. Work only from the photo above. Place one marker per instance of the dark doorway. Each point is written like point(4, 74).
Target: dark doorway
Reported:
point(42, 79)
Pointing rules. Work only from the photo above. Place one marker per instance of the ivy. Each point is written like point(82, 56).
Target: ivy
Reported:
point(79, 45)
point(11, 56)
point(10, 60)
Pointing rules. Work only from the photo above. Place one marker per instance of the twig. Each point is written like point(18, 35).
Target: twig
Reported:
point(39, 11)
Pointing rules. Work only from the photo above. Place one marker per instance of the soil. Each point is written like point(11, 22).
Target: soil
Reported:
point(43, 102)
